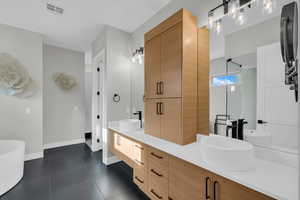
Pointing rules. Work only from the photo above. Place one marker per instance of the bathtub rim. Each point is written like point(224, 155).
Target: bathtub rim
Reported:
point(19, 145)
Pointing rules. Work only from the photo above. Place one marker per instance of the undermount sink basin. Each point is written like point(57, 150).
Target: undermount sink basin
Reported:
point(227, 153)
point(129, 124)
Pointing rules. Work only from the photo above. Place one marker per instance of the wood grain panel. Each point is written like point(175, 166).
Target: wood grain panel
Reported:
point(120, 147)
point(165, 25)
point(158, 173)
point(180, 180)
point(171, 61)
point(189, 78)
point(171, 120)
point(152, 66)
point(203, 81)
point(229, 190)
point(140, 156)
point(157, 191)
point(140, 179)
point(152, 118)
point(157, 156)
point(190, 183)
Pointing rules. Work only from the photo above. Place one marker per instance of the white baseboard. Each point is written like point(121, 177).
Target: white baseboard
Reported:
point(34, 156)
point(63, 143)
point(111, 160)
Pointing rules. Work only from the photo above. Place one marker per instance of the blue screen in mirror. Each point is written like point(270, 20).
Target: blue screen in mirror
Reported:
point(225, 80)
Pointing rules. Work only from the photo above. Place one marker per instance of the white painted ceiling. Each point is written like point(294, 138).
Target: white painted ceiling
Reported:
point(81, 21)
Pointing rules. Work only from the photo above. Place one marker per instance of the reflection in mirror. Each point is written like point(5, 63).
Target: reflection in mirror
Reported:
point(247, 82)
point(241, 95)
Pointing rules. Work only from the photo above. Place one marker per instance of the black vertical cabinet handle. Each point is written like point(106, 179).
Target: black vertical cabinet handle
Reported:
point(207, 179)
point(261, 122)
point(161, 87)
point(157, 108)
point(161, 108)
point(215, 188)
point(157, 88)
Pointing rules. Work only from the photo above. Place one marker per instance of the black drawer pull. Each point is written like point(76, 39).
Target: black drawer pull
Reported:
point(215, 188)
point(157, 88)
point(137, 146)
point(139, 180)
point(139, 162)
point(154, 193)
point(156, 173)
point(207, 179)
point(157, 108)
point(161, 87)
point(161, 108)
point(156, 156)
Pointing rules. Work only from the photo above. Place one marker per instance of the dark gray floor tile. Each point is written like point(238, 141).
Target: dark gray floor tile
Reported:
point(70, 177)
point(83, 191)
point(35, 169)
point(35, 189)
point(130, 195)
point(74, 172)
point(111, 185)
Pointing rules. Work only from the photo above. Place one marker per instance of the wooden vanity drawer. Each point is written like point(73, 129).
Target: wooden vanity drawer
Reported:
point(139, 156)
point(158, 174)
point(140, 179)
point(157, 191)
point(157, 156)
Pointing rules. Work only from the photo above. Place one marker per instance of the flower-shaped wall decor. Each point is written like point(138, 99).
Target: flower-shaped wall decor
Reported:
point(64, 81)
point(14, 78)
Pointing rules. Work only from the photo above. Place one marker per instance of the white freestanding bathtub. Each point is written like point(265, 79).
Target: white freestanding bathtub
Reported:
point(11, 164)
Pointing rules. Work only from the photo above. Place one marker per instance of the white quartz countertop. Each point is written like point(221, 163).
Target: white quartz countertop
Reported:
point(270, 178)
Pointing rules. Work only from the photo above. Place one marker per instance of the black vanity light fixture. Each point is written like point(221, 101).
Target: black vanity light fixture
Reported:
point(138, 56)
point(236, 9)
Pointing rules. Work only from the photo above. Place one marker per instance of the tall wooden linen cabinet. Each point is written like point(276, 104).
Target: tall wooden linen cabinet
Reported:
point(175, 82)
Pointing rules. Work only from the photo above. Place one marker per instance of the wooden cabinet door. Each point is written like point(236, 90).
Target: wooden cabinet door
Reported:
point(152, 117)
point(224, 189)
point(152, 67)
point(171, 61)
point(171, 128)
point(192, 183)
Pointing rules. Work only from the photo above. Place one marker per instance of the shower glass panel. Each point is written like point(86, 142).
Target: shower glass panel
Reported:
point(241, 96)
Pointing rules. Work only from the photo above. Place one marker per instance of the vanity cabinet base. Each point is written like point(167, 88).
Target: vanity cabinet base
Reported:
point(164, 177)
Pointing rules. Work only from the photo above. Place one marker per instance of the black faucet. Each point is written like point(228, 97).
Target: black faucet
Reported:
point(234, 129)
point(241, 123)
point(139, 113)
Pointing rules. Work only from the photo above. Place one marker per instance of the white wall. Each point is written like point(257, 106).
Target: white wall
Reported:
point(118, 73)
point(117, 44)
point(15, 122)
point(64, 111)
point(246, 41)
point(88, 79)
point(117, 47)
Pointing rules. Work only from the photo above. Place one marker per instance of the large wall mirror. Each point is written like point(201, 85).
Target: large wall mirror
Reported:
point(247, 80)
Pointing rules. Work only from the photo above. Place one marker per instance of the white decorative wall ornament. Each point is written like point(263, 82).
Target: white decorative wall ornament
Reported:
point(14, 78)
point(64, 81)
